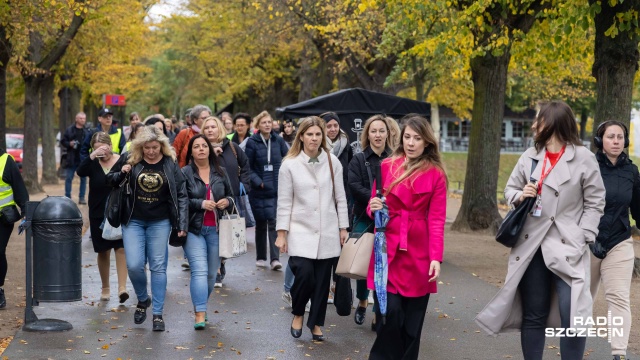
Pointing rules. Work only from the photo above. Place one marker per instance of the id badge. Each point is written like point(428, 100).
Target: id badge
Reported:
point(537, 208)
point(268, 167)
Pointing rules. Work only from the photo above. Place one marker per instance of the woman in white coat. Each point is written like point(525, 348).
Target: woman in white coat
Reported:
point(550, 262)
point(311, 221)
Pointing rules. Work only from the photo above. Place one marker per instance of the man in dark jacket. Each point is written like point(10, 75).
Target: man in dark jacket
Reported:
point(72, 140)
point(105, 124)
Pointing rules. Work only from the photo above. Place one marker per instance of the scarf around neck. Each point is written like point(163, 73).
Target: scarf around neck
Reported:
point(339, 145)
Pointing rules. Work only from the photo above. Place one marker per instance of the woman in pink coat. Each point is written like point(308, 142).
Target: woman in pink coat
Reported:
point(415, 190)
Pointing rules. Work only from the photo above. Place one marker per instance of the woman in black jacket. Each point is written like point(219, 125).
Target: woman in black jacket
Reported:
point(265, 151)
point(95, 167)
point(612, 253)
point(209, 191)
point(12, 192)
point(362, 171)
point(235, 163)
point(158, 205)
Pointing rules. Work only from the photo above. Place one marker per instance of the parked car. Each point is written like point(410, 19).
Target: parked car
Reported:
point(15, 143)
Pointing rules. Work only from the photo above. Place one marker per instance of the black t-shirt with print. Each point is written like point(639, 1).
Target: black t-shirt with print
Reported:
point(152, 193)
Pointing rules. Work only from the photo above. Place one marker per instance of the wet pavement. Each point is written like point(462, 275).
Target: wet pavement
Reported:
point(249, 320)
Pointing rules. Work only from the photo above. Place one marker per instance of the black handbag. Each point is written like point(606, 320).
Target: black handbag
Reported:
point(512, 225)
point(175, 240)
point(343, 297)
point(117, 202)
point(9, 214)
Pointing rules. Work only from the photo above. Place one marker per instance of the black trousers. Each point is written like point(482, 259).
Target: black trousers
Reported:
point(312, 279)
point(266, 234)
point(5, 234)
point(536, 288)
point(399, 337)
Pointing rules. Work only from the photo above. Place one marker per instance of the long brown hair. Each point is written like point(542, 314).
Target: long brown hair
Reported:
point(556, 119)
point(430, 156)
point(303, 126)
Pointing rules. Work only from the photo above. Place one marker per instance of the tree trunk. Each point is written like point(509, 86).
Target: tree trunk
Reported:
point(48, 134)
point(5, 55)
point(584, 116)
point(307, 78)
point(479, 209)
point(435, 121)
point(31, 132)
point(615, 64)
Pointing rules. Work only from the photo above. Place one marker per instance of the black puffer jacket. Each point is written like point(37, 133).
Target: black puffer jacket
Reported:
point(359, 182)
point(264, 184)
point(197, 191)
point(622, 183)
point(179, 202)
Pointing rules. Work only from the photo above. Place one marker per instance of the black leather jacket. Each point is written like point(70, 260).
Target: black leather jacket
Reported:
point(197, 192)
point(622, 183)
point(359, 181)
point(179, 202)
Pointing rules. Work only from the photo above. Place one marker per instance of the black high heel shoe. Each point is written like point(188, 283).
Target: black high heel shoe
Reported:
point(317, 337)
point(296, 333)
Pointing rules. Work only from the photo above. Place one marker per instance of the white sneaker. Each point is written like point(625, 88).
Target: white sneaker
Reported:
point(261, 263)
point(308, 306)
point(276, 265)
point(286, 297)
point(218, 283)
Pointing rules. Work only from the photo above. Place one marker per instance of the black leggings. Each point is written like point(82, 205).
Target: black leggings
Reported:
point(536, 290)
point(5, 234)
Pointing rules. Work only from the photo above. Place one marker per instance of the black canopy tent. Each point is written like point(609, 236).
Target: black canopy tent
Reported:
point(354, 107)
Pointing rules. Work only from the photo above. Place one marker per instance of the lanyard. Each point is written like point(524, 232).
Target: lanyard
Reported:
point(268, 148)
point(543, 174)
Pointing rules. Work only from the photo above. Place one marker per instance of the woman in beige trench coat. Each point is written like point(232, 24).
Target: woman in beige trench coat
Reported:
point(547, 282)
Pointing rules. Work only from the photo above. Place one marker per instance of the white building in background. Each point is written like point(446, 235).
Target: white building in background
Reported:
point(634, 133)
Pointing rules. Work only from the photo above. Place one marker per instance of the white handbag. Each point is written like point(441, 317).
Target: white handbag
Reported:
point(111, 233)
point(231, 231)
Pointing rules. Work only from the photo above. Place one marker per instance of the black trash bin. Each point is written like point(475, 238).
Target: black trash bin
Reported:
point(57, 255)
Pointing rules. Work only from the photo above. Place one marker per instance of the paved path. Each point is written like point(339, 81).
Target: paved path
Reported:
point(248, 320)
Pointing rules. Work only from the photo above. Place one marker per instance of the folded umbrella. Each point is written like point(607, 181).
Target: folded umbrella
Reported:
point(381, 269)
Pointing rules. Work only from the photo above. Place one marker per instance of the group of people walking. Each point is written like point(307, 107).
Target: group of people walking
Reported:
point(308, 190)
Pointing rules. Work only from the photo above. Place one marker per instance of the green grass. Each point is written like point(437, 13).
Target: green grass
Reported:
point(456, 167)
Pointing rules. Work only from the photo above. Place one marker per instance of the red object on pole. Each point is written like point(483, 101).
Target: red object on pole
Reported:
point(115, 100)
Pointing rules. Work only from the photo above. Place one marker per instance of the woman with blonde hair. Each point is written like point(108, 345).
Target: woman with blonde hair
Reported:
point(96, 166)
point(265, 151)
point(233, 160)
point(362, 172)
point(158, 205)
point(394, 132)
point(414, 186)
point(312, 221)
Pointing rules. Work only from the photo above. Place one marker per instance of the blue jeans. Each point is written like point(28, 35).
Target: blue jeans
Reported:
point(71, 172)
point(288, 278)
point(147, 240)
point(203, 254)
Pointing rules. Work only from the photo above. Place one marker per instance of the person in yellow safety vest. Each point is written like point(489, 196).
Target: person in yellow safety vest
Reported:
point(12, 193)
point(105, 120)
